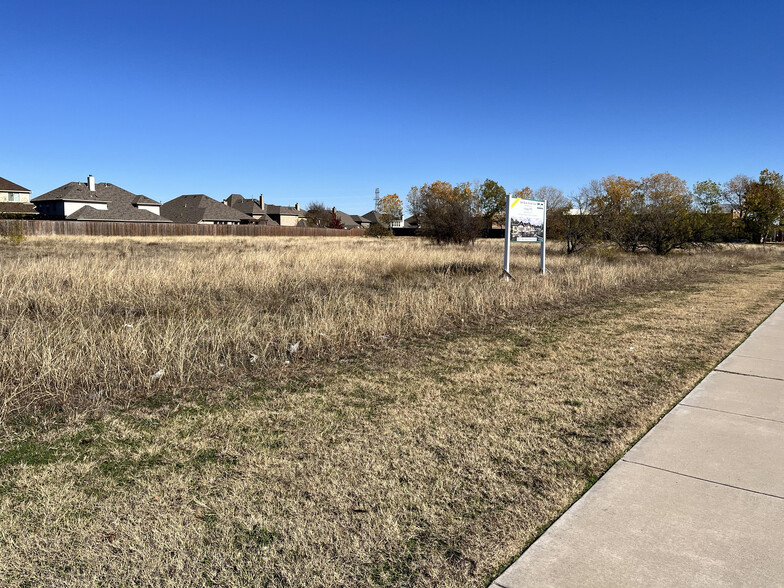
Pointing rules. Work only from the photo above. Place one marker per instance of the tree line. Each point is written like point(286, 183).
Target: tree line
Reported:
point(657, 213)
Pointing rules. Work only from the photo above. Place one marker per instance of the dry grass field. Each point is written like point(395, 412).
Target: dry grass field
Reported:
point(433, 419)
point(89, 320)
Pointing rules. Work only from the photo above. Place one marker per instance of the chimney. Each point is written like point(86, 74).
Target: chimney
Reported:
point(297, 206)
point(261, 202)
point(91, 183)
point(333, 210)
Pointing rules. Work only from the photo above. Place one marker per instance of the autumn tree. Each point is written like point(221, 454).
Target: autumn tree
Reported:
point(764, 205)
point(618, 206)
point(334, 220)
point(665, 218)
point(317, 215)
point(390, 208)
point(525, 193)
point(449, 214)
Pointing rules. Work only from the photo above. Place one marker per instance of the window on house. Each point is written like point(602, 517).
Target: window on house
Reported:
point(14, 197)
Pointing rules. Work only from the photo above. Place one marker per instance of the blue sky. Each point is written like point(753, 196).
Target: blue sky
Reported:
point(326, 101)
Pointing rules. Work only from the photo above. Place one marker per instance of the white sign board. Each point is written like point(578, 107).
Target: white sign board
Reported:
point(527, 220)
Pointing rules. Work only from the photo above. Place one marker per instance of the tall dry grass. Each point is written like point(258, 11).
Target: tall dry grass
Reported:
point(88, 320)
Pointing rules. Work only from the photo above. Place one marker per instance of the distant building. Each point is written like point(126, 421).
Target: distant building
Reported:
point(203, 210)
point(250, 206)
point(412, 221)
point(15, 200)
point(286, 216)
point(375, 218)
point(361, 221)
point(348, 220)
point(91, 201)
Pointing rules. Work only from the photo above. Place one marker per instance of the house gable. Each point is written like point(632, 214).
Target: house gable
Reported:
point(93, 201)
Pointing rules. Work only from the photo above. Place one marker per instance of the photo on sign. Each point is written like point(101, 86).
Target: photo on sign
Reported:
point(527, 218)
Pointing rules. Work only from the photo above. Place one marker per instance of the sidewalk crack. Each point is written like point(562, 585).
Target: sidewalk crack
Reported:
point(755, 357)
point(749, 375)
point(750, 416)
point(703, 479)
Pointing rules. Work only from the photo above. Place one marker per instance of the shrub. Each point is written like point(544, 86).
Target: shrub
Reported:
point(14, 233)
point(378, 230)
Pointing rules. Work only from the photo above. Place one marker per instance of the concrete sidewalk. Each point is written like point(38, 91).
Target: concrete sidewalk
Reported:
point(698, 501)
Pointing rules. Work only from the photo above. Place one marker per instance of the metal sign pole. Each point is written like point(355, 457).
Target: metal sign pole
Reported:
point(507, 237)
point(544, 238)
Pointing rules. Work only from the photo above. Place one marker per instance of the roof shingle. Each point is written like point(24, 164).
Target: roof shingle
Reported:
point(16, 208)
point(195, 208)
point(122, 206)
point(285, 210)
point(244, 205)
point(9, 186)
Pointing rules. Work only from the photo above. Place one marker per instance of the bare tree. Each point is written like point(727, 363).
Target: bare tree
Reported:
point(580, 222)
point(735, 191)
point(558, 206)
point(555, 198)
point(317, 215)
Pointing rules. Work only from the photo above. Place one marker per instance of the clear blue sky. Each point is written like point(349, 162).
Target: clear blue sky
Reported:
point(328, 100)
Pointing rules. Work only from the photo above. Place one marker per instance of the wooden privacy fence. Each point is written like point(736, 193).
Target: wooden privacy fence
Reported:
point(128, 229)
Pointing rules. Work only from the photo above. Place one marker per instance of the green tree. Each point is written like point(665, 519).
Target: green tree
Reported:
point(491, 199)
point(708, 196)
point(709, 222)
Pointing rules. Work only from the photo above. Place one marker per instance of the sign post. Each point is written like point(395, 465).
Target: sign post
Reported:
point(544, 239)
point(526, 222)
point(507, 233)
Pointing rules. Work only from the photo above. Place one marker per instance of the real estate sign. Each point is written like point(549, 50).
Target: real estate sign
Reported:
point(527, 220)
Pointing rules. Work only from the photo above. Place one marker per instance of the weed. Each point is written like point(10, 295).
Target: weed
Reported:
point(28, 452)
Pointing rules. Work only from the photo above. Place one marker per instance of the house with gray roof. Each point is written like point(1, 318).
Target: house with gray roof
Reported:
point(361, 221)
point(92, 201)
point(15, 200)
point(375, 218)
point(250, 206)
point(203, 210)
point(286, 216)
point(348, 219)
